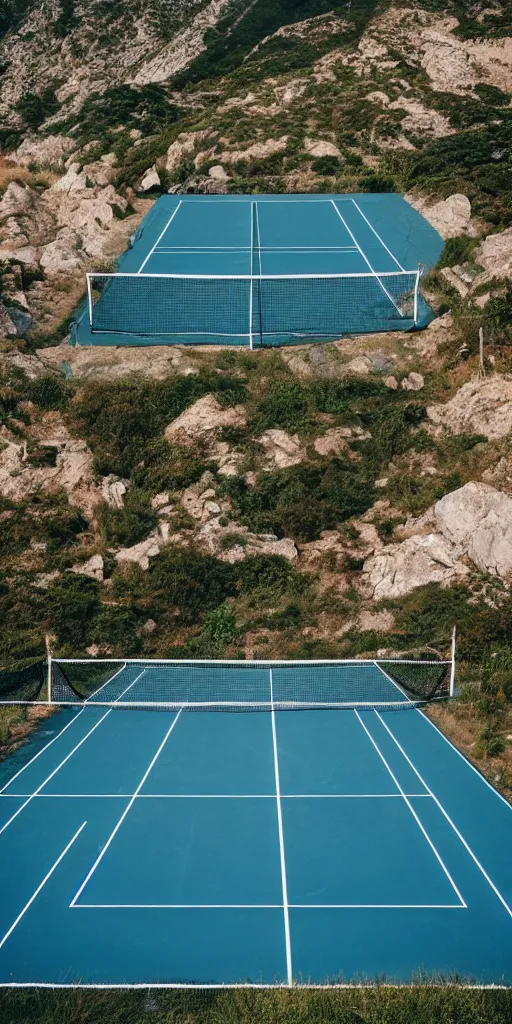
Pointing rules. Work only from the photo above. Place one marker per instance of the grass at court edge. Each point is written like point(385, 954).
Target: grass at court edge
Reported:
point(421, 1004)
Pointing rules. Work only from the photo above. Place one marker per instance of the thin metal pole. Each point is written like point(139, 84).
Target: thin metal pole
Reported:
point(89, 297)
point(452, 670)
point(416, 292)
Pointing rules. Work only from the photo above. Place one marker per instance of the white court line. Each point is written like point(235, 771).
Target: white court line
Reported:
point(181, 250)
point(125, 812)
point(168, 224)
point(289, 971)
point(268, 906)
point(215, 796)
point(367, 261)
point(42, 884)
point(63, 762)
point(35, 757)
point(466, 761)
point(413, 812)
point(62, 731)
point(381, 240)
point(449, 820)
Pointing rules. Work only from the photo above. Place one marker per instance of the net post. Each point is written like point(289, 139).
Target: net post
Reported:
point(452, 668)
point(251, 286)
point(416, 295)
point(89, 297)
point(49, 668)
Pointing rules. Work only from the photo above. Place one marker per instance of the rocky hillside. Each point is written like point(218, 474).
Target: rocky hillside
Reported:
point(324, 500)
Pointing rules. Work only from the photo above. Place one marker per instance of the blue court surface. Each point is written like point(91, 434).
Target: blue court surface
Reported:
point(265, 270)
point(260, 847)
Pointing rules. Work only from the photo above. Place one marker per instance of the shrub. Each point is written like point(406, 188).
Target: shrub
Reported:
point(326, 165)
point(188, 584)
point(49, 392)
point(131, 523)
point(73, 603)
point(456, 250)
point(35, 108)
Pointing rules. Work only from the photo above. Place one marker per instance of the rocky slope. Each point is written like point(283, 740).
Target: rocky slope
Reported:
point(324, 500)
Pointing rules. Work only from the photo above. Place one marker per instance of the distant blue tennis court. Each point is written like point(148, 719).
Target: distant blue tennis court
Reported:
point(258, 843)
point(267, 270)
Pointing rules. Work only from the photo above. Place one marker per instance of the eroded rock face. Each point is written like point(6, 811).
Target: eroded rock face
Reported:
point(398, 569)
point(478, 407)
point(202, 418)
point(73, 473)
point(282, 450)
point(450, 217)
point(477, 519)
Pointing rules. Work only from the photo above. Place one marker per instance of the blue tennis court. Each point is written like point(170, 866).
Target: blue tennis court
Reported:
point(261, 845)
point(241, 270)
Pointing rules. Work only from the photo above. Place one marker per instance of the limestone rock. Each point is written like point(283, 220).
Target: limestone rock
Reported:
point(478, 407)
point(450, 217)
point(141, 553)
point(218, 173)
point(495, 254)
point(336, 439)
point(210, 538)
point(413, 382)
point(321, 147)
point(477, 519)
point(281, 449)
point(150, 180)
point(93, 568)
point(74, 180)
point(50, 150)
point(113, 490)
point(202, 418)
point(391, 382)
point(398, 569)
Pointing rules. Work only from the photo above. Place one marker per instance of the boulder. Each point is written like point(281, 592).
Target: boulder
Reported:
point(218, 173)
point(398, 569)
point(337, 439)
point(113, 490)
point(413, 382)
point(450, 217)
point(74, 180)
point(478, 407)
point(92, 568)
point(150, 180)
point(281, 449)
point(141, 553)
point(477, 520)
point(321, 147)
point(202, 418)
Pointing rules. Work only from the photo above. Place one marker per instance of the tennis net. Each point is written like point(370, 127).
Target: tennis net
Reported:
point(252, 307)
point(247, 685)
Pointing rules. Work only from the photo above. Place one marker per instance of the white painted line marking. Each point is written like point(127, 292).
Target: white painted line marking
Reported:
point(449, 820)
point(413, 812)
point(267, 906)
point(35, 757)
point(381, 240)
point(63, 762)
point(125, 812)
point(214, 796)
point(43, 883)
point(466, 761)
point(284, 885)
point(159, 239)
point(367, 261)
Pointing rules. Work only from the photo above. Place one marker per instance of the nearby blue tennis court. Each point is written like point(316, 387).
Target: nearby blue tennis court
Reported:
point(254, 271)
point(257, 846)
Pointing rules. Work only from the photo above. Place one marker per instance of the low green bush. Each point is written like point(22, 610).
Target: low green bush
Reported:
point(131, 523)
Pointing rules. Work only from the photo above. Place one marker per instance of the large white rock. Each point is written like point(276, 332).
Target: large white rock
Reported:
point(92, 568)
point(150, 180)
point(74, 180)
point(478, 407)
point(398, 569)
point(141, 553)
point(281, 449)
point(477, 519)
point(450, 217)
point(203, 417)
